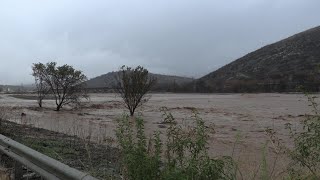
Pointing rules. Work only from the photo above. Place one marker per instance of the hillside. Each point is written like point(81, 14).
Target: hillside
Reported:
point(165, 83)
point(277, 67)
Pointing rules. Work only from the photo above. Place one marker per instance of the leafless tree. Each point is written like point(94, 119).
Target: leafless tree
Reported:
point(41, 86)
point(133, 84)
point(65, 83)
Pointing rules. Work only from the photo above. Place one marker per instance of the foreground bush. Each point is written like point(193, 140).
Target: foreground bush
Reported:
point(183, 155)
point(306, 152)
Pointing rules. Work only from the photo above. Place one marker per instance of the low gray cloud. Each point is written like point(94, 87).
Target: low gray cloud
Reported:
point(181, 37)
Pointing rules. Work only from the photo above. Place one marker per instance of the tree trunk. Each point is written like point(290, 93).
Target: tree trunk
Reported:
point(131, 112)
point(40, 103)
point(59, 107)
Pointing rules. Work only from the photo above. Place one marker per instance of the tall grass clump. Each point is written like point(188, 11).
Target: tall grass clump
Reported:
point(182, 155)
point(139, 160)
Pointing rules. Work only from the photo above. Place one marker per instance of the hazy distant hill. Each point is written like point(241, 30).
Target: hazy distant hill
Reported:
point(281, 66)
point(164, 83)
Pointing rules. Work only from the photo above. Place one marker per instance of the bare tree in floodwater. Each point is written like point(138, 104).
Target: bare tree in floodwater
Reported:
point(42, 87)
point(66, 84)
point(133, 84)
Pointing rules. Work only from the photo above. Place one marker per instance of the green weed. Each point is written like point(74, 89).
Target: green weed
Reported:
point(182, 156)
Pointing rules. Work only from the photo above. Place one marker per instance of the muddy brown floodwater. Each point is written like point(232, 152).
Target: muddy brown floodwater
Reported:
point(240, 119)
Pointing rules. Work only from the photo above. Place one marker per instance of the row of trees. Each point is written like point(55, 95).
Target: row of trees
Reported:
point(67, 85)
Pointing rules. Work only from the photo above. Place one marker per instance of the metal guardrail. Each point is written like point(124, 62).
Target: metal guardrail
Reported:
point(41, 164)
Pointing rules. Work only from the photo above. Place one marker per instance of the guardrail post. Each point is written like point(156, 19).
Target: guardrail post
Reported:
point(18, 170)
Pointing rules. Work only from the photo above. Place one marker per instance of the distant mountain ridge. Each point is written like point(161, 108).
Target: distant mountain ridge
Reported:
point(164, 82)
point(281, 66)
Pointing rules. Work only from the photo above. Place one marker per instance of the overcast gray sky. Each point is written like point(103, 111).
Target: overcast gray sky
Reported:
point(180, 37)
